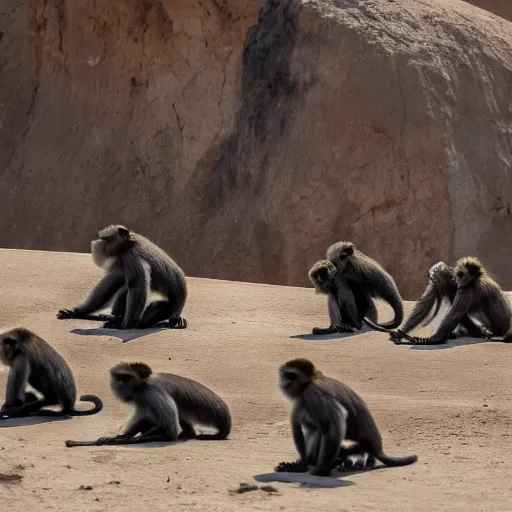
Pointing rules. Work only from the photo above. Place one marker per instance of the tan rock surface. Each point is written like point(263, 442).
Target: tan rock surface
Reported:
point(247, 145)
point(502, 8)
point(452, 406)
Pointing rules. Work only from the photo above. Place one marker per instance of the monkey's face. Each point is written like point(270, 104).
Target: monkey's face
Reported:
point(124, 385)
point(321, 275)
point(112, 242)
point(462, 276)
point(292, 382)
point(8, 349)
point(340, 254)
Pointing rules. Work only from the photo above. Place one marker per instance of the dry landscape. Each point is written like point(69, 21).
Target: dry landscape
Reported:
point(452, 405)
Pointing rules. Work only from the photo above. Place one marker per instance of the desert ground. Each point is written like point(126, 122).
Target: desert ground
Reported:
point(451, 405)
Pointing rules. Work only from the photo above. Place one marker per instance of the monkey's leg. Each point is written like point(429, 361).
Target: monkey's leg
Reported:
point(118, 310)
point(119, 307)
point(187, 430)
point(100, 295)
point(337, 325)
point(157, 311)
point(474, 331)
point(329, 447)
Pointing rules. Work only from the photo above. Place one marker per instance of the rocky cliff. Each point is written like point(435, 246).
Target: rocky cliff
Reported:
point(246, 138)
point(501, 8)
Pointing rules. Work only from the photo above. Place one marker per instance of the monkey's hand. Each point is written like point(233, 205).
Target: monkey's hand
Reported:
point(108, 440)
point(66, 314)
point(298, 466)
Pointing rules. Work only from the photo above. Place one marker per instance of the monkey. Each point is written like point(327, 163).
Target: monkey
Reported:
point(477, 295)
point(134, 266)
point(441, 287)
point(325, 413)
point(34, 361)
point(366, 280)
point(323, 276)
point(167, 405)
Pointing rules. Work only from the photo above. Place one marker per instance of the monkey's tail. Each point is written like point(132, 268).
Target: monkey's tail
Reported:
point(396, 461)
point(96, 400)
point(388, 327)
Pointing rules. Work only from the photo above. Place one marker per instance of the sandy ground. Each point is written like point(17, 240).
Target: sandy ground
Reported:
point(451, 405)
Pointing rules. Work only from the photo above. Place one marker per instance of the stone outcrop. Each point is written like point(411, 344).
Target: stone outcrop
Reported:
point(502, 8)
point(246, 140)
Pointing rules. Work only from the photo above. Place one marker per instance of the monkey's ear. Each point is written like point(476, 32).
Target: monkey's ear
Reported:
point(349, 251)
point(123, 232)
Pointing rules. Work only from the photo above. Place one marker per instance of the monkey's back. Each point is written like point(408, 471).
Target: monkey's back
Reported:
point(198, 402)
point(360, 423)
point(49, 372)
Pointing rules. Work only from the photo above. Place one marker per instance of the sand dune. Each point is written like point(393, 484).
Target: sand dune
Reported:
point(450, 405)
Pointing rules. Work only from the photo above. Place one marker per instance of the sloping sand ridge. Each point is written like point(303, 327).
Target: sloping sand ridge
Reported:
point(451, 405)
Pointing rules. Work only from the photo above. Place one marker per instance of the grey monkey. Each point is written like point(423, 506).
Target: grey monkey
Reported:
point(442, 286)
point(134, 266)
point(33, 361)
point(325, 413)
point(168, 405)
point(357, 281)
point(478, 295)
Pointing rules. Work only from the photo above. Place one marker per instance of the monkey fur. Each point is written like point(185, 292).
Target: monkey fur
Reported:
point(134, 267)
point(357, 281)
point(168, 405)
point(33, 361)
point(477, 295)
point(325, 413)
point(441, 287)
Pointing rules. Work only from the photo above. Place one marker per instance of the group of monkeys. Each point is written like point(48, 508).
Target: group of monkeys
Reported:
point(331, 425)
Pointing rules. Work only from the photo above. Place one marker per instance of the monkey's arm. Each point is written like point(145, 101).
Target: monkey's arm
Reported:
point(163, 412)
point(347, 304)
point(17, 382)
point(99, 296)
point(330, 419)
point(137, 282)
point(459, 308)
point(421, 309)
point(297, 433)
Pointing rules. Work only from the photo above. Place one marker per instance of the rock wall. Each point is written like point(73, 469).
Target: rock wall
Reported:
point(246, 140)
point(501, 8)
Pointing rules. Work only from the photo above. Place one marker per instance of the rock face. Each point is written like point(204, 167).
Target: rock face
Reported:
point(501, 8)
point(245, 141)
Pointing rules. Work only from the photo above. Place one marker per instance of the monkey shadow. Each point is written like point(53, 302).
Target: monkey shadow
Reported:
point(459, 342)
point(305, 479)
point(29, 421)
point(123, 335)
point(328, 337)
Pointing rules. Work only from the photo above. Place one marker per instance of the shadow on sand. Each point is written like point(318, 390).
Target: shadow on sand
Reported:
point(28, 421)
point(459, 342)
point(328, 337)
point(123, 335)
point(307, 480)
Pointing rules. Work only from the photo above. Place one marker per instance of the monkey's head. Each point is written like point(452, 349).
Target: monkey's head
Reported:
point(467, 270)
point(322, 275)
point(113, 241)
point(340, 254)
point(441, 273)
point(128, 379)
point(295, 376)
point(13, 342)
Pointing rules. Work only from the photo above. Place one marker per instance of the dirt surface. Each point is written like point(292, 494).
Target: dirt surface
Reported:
point(450, 405)
point(246, 136)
